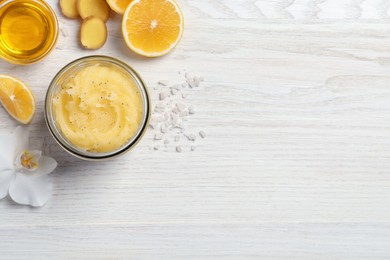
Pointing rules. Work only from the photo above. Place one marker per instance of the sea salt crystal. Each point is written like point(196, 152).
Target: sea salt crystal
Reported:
point(191, 137)
point(183, 113)
point(64, 32)
point(175, 110)
point(179, 125)
point(202, 134)
point(160, 105)
point(181, 107)
point(159, 108)
point(163, 128)
point(163, 82)
point(196, 81)
point(183, 95)
point(157, 147)
point(158, 136)
point(166, 115)
point(158, 119)
point(174, 91)
point(174, 119)
point(177, 87)
point(193, 148)
point(191, 83)
point(163, 95)
point(166, 141)
point(191, 110)
point(184, 85)
point(178, 149)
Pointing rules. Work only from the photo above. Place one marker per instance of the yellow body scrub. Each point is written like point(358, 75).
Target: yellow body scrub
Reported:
point(98, 109)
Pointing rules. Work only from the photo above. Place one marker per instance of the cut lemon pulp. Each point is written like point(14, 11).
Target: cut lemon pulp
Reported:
point(17, 99)
point(152, 28)
point(119, 6)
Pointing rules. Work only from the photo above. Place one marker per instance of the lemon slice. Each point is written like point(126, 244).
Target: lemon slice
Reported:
point(119, 6)
point(17, 99)
point(152, 28)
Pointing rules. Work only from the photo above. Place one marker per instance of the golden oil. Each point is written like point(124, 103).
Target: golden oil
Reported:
point(28, 30)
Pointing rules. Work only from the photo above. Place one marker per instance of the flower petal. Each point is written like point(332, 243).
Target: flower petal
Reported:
point(21, 136)
point(28, 160)
point(45, 166)
point(6, 178)
point(8, 142)
point(30, 190)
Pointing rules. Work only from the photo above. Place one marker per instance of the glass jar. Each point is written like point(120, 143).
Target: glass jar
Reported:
point(28, 30)
point(68, 73)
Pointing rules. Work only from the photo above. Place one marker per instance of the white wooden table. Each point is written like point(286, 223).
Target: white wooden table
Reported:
point(296, 165)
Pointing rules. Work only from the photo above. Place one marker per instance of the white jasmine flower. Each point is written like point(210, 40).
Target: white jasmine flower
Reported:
point(24, 173)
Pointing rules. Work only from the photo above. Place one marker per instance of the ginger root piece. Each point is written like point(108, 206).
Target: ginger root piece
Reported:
point(93, 33)
point(69, 8)
point(98, 8)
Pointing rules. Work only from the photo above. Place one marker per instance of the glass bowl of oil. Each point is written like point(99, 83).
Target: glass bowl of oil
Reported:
point(28, 30)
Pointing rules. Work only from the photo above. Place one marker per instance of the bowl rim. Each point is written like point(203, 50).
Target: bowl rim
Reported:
point(53, 43)
point(123, 149)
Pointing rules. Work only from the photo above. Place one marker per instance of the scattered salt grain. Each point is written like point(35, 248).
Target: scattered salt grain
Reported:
point(184, 113)
point(157, 147)
point(158, 136)
point(166, 116)
point(174, 91)
point(193, 148)
point(202, 134)
point(177, 87)
point(64, 32)
point(191, 137)
point(163, 82)
point(158, 119)
point(191, 83)
point(178, 149)
point(191, 110)
point(166, 141)
point(175, 110)
point(179, 126)
point(196, 81)
point(163, 95)
point(164, 129)
point(160, 105)
point(159, 109)
point(181, 107)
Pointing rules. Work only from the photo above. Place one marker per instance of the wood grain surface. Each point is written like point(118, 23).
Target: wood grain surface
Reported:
point(296, 163)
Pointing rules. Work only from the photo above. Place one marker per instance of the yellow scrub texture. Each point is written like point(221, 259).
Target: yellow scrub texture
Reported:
point(98, 109)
